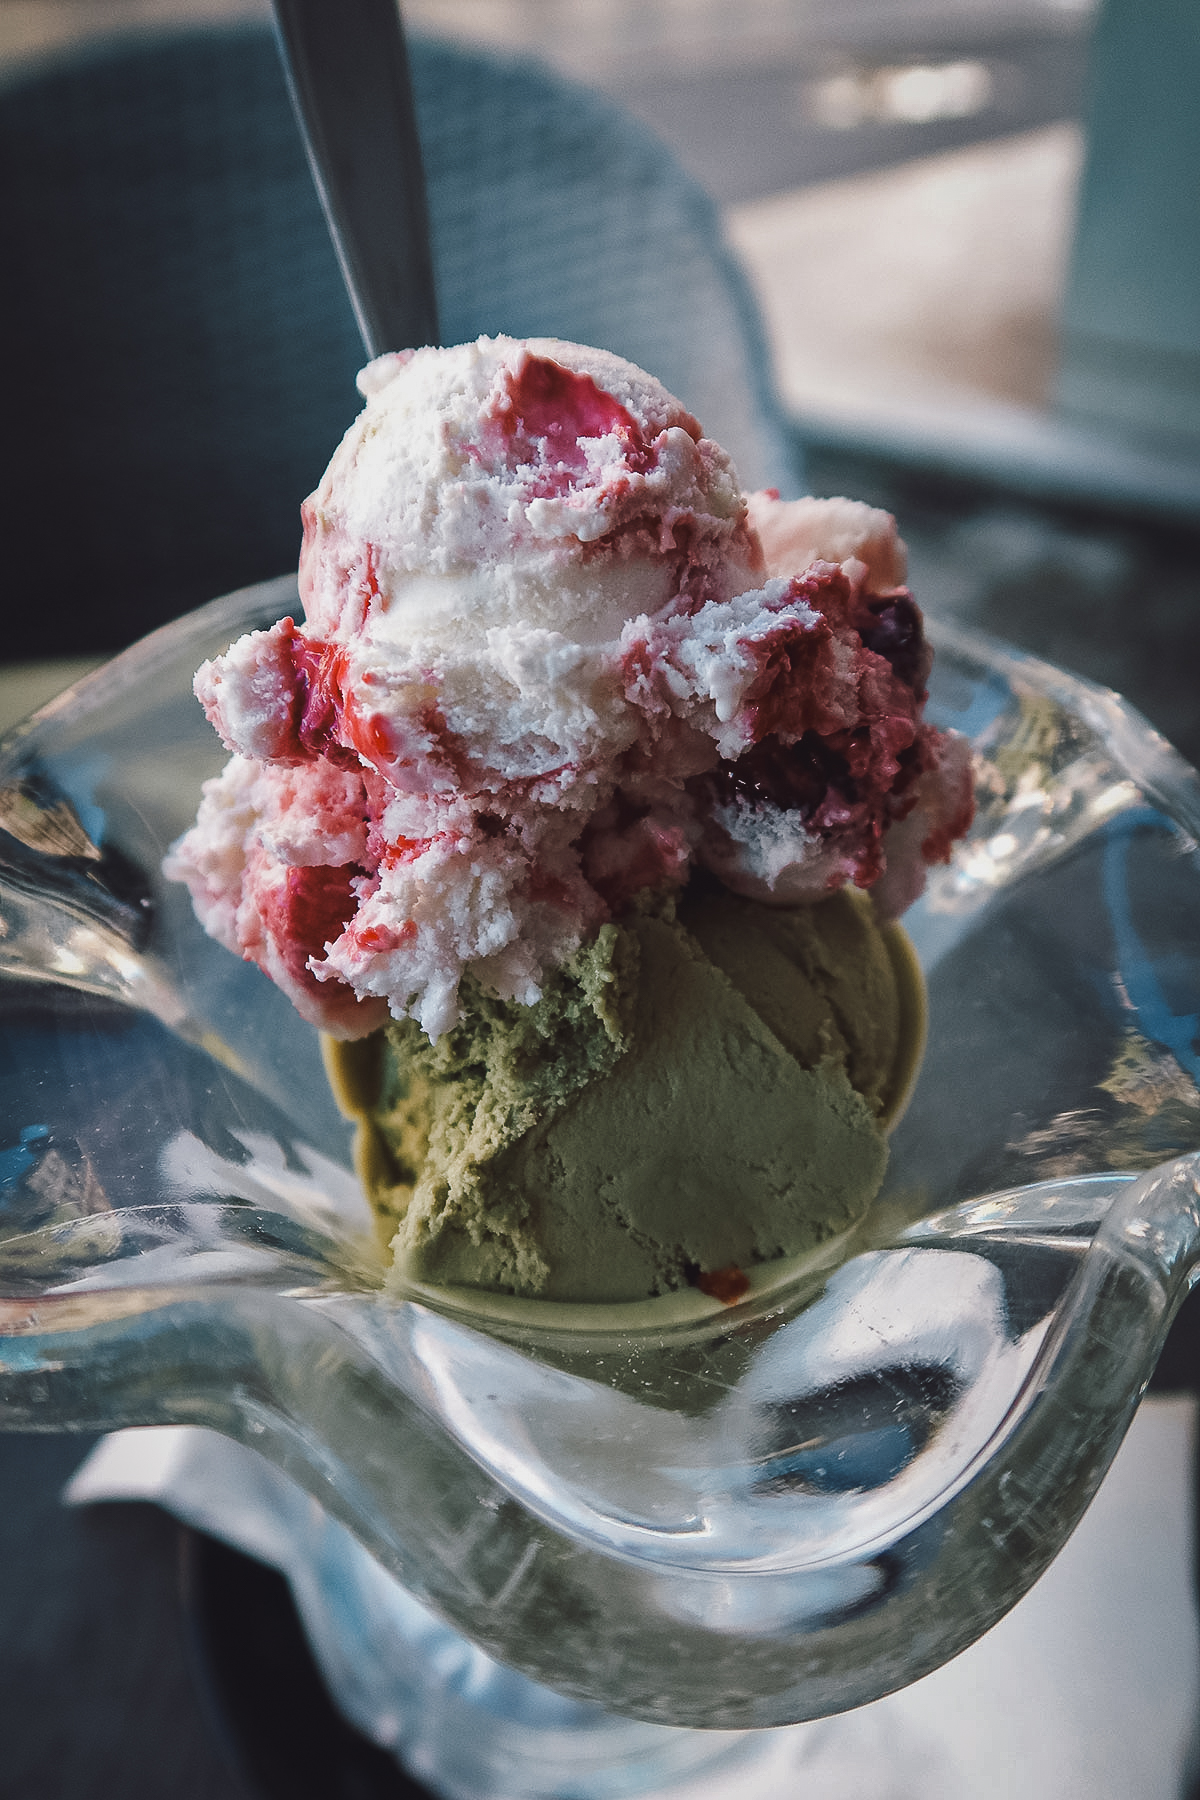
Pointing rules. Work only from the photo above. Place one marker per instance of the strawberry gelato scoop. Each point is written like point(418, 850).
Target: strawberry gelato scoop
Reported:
point(552, 657)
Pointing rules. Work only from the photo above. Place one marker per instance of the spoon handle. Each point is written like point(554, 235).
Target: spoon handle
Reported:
point(347, 68)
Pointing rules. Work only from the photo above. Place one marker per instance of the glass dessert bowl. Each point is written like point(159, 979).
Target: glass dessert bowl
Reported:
point(688, 1512)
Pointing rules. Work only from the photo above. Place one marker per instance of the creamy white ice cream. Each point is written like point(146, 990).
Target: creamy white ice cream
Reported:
point(551, 657)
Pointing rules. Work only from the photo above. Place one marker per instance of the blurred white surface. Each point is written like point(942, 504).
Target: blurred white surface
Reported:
point(932, 285)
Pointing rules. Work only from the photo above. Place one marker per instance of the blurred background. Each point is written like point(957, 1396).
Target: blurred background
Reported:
point(901, 180)
point(923, 155)
point(972, 234)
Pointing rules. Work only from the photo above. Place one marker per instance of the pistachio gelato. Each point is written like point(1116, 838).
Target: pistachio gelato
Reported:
point(704, 1088)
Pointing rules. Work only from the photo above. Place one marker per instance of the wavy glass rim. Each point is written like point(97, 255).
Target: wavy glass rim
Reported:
point(370, 1395)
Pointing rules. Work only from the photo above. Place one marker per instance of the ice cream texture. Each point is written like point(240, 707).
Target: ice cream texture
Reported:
point(556, 673)
point(703, 1088)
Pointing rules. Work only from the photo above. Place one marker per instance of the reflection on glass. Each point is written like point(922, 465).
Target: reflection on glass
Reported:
point(734, 1516)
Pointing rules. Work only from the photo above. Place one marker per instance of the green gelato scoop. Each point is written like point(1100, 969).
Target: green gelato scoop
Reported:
point(704, 1088)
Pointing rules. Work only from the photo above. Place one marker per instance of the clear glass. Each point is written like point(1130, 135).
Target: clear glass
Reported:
point(692, 1514)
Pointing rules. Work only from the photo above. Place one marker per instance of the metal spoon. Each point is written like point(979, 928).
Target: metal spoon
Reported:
point(347, 69)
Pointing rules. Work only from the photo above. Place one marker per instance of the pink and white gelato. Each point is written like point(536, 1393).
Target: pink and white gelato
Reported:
point(551, 656)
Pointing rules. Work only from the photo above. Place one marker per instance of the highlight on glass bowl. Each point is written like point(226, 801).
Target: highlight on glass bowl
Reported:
point(765, 1502)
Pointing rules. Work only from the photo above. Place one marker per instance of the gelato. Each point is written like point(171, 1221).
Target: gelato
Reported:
point(701, 1089)
point(568, 727)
